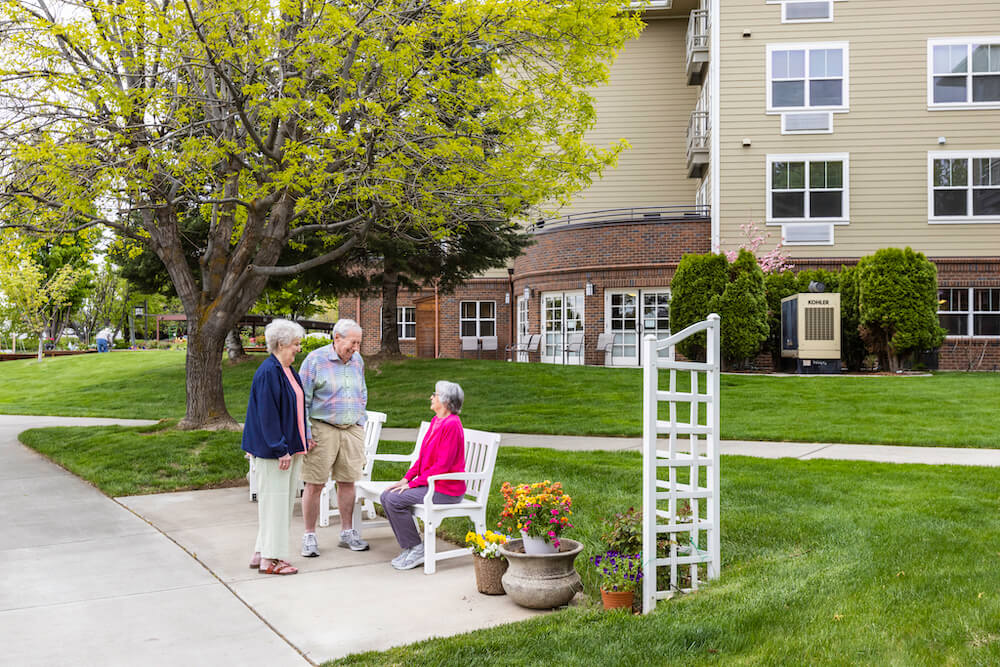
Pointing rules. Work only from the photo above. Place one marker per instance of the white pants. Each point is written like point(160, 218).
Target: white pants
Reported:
point(275, 499)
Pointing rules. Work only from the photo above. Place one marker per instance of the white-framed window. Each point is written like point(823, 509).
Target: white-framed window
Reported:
point(478, 318)
point(963, 73)
point(406, 322)
point(805, 11)
point(963, 186)
point(970, 309)
point(803, 77)
point(808, 188)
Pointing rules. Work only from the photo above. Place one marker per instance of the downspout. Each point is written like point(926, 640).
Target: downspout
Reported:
point(437, 324)
point(714, 86)
point(510, 286)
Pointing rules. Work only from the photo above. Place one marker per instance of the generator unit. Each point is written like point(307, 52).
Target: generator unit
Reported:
point(810, 331)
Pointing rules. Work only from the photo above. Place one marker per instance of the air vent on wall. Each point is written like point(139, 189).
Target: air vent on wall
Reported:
point(809, 10)
point(807, 123)
point(808, 233)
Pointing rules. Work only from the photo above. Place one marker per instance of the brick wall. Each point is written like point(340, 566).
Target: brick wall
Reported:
point(477, 289)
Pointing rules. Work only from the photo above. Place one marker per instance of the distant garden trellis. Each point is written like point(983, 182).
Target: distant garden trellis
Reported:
point(680, 529)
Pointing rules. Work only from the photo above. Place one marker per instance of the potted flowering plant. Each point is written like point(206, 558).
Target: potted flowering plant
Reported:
point(620, 575)
point(488, 561)
point(538, 511)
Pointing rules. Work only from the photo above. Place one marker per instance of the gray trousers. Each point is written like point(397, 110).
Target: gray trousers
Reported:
point(397, 509)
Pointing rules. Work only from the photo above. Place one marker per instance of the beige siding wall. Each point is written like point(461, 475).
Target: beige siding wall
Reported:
point(887, 132)
point(648, 103)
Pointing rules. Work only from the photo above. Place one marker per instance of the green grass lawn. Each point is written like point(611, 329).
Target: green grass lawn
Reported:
point(948, 409)
point(824, 562)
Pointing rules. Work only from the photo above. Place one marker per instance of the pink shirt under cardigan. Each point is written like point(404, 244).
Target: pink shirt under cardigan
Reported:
point(299, 402)
point(443, 450)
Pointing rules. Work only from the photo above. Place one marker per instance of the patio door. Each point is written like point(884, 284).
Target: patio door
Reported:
point(562, 315)
point(630, 314)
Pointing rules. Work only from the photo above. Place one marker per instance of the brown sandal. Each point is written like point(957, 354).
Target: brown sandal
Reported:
point(279, 567)
point(255, 561)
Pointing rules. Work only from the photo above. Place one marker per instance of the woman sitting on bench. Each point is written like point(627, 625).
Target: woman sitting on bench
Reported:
point(442, 450)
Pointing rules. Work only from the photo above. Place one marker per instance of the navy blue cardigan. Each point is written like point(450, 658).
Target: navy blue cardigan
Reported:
point(272, 428)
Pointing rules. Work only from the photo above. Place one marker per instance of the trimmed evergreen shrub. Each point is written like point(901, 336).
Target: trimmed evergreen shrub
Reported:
point(897, 305)
point(697, 280)
point(776, 287)
point(852, 348)
point(743, 309)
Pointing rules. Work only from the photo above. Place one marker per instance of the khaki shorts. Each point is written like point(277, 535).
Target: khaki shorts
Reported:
point(339, 453)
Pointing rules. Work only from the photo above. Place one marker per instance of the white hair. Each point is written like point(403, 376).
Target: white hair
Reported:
point(345, 326)
point(282, 332)
point(450, 395)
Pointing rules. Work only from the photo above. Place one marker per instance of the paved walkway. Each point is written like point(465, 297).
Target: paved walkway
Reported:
point(162, 580)
point(768, 450)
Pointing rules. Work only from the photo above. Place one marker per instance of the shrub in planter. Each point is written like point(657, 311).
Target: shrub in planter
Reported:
point(897, 305)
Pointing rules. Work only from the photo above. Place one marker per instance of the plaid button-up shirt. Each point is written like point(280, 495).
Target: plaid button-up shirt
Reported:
point(335, 392)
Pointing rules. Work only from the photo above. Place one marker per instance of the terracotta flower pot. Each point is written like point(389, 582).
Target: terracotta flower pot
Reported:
point(489, 572)
point(617, 599)
point(541, 581)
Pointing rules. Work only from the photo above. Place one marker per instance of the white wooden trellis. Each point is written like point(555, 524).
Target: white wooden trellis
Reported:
point(692, 541)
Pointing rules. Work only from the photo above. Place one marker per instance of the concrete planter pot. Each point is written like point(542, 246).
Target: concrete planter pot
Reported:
point(541, 581)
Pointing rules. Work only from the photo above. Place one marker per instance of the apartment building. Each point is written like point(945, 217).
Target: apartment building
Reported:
point(839, 126)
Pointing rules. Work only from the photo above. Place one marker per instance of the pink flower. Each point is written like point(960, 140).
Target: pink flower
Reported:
point(555, 511)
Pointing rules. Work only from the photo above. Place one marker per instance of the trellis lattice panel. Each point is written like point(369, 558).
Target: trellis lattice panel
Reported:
point(680, 465)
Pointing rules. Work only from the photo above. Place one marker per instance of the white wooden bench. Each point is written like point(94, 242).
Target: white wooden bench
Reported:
point(373, 430)
point(481, 450)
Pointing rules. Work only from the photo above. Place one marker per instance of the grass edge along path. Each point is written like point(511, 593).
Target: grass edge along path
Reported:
point(829, 562)
point(946, 409)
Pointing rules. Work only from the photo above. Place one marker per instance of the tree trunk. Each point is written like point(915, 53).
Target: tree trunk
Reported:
point(390, 331)
point(206, 404)
point(234, 346)
point(40, 334)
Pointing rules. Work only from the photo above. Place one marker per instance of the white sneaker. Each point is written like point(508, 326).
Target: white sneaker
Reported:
point(350, 539)
point(414, 558)
point(310, 547)
point(401, 558)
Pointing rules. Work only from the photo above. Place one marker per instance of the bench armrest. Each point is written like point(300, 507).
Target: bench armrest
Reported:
point(449, 475)
point(393, 457)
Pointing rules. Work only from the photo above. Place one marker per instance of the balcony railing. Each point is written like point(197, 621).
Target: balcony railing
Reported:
point(697, 45)
point(699, 135)
point(621, 215)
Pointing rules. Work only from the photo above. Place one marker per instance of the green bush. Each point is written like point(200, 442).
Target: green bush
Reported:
point(776, 287)
point(697, 280)
point(852, 348)
point(743, 309)
point(310, 343)
point(897, 305)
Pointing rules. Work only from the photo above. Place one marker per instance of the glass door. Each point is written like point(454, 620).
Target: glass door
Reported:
point(630, 315)
point(562, 323)
point(623, 320)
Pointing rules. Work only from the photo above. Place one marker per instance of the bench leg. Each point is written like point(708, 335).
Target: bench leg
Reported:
point(356, 514)
point(324, 506)
point(430, 548)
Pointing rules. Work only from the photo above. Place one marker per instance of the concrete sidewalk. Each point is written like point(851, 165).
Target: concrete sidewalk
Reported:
point(85, 581)
point(767, 450)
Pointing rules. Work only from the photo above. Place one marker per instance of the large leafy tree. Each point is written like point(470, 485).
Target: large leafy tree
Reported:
point(290, 122)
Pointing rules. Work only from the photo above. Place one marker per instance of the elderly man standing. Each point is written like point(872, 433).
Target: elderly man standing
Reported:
point(336, 396)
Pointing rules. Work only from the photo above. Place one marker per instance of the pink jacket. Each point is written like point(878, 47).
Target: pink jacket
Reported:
point(443, 450)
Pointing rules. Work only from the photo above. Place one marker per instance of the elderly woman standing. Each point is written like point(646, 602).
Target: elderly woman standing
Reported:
point(275, 434)
point(442, 450)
